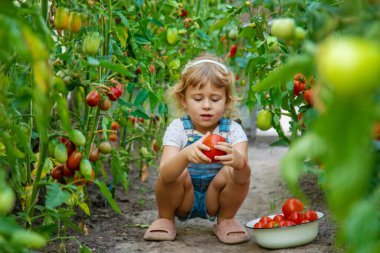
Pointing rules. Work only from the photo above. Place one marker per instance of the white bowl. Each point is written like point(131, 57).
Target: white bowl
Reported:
point(285, 237)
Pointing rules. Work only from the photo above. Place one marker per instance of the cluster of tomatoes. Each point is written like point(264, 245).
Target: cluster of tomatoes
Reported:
point(64, 19)
point(71, 162)
point(94, 98)
point(293, 213)
point(182, 12)
point(300, 86)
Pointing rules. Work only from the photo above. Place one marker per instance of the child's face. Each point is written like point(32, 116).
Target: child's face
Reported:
point(205, 106)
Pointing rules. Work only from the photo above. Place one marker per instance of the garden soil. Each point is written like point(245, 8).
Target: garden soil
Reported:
point(107, 231)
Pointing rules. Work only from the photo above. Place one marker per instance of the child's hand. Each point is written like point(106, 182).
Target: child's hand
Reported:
point(232, 157)
point(194, 151)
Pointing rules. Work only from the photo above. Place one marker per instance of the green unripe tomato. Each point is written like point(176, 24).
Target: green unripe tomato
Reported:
point(91, 43)
point(85, 167)
point(233, 34)
point(273, 44)
point(283, 28)
point(7, 200)
point(175, 64)
point(60, 153)
point(264, 120)
point(172, 35)
point(105, 147)
point(349, 65)
point(300, 33)
point(28, 239)
point(61, 18)
point(77, 137)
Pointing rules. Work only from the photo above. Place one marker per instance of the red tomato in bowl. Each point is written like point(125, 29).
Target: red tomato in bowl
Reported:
point(259, 225)
point(296, 217)
point(272, 224)
point(292, 205)
point(211, 141)
point(310, 215)
point(265, 219)
point(287, 223)
point(279, 217)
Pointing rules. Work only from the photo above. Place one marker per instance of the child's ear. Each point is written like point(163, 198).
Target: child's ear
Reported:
point(183, 102)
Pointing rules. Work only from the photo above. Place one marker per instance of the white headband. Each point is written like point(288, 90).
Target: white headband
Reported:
point(192, 64)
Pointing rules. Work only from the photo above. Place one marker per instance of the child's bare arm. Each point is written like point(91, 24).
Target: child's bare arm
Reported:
point(236, 157)
point(174, 160)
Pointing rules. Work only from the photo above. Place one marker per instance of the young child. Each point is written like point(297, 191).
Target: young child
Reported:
point(189, 185)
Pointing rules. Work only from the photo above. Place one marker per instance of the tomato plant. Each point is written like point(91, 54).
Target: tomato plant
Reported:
point(126, 56)
point(210, 142)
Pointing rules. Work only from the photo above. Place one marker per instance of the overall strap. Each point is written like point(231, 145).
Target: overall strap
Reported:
point(224, 127)
point(186, 121)
point(188, 127)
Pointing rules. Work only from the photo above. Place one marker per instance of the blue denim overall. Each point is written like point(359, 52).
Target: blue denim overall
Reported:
point(202, 174)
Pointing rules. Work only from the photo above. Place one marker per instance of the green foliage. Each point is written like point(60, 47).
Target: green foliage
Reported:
point(46, 74)
point(56, 196)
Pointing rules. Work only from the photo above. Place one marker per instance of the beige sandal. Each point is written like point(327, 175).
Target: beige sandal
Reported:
point(230, 231)
point(161, 230)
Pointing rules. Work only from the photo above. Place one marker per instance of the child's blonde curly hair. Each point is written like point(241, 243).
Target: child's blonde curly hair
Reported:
point(202, 73)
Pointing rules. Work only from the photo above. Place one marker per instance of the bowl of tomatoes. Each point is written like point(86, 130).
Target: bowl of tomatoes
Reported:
point(293, 227)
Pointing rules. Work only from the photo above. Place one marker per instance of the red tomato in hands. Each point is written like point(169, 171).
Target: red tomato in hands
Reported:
point(292, 205)
point(211, 141)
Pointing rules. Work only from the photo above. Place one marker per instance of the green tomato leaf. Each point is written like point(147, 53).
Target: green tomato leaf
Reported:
point(107, 194)
point(55, 196)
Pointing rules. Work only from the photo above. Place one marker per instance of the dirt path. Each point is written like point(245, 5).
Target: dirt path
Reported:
point(109, 232)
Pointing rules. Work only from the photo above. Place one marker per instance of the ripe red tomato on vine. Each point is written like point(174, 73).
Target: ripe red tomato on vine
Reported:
point(93, 98)
point(308, 96)
point(233, 51)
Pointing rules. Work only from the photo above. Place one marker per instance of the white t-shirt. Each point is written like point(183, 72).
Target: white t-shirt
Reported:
point(175, 134)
